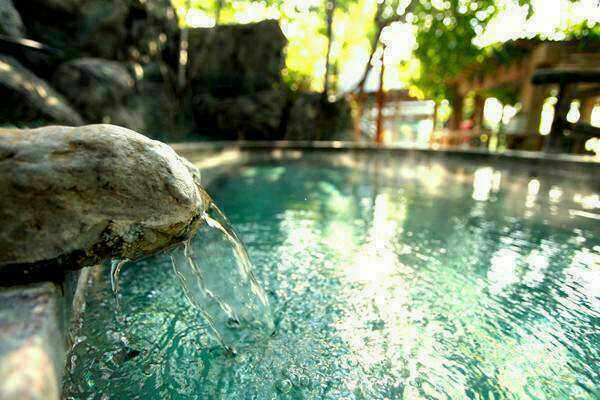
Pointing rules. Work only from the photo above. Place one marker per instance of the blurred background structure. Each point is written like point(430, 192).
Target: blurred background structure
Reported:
point(487, 74)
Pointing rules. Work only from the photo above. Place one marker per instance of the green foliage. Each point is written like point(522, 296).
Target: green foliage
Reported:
point(587, 32)
point(445, 33)
point(445, 48)
point(507, 94)
point(223, 8)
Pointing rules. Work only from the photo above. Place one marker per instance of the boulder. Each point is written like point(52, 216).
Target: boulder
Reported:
point(255, 116)
point(26, 98)
point(152, 32)
point(100, 89)
point(10, 21)
point(311, 117)
point(94, 81)
point(117, 29)
point(87, 27)
point(73, 197)
point(236, 59)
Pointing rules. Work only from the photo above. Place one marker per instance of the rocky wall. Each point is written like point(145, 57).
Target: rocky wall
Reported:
point(99, 61)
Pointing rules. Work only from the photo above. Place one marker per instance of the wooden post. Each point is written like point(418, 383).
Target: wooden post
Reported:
point(563, 102)
point(478, 115)
point(380, 99)
point(358, 112)
point(586, 108)
point(436, 110)
point(532, 101)
point(456, 101)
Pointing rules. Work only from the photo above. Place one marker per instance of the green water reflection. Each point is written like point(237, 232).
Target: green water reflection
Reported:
point(418, 282)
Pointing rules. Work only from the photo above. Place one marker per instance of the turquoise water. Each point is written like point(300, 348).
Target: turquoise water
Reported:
point(387, 281)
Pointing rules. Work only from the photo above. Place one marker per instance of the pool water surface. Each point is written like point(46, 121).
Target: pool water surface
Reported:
point(386, 282)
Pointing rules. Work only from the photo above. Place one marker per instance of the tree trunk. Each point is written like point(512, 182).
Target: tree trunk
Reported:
point(183, 58)
point(363, 80)
point(380, 99)
point(380, 24)
point(218, 8)
point(183, 49)
point(330, 6)
point(456, 101)
point(360, 88)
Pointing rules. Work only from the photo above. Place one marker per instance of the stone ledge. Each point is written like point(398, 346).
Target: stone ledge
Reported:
point(32, 345)
point(37, 324)
point(207, 155)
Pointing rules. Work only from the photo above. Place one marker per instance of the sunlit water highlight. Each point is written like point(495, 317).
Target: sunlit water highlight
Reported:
point(422, 282)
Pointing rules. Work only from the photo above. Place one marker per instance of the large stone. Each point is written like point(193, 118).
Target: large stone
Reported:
point(87, 27)
point(32, 345)
point(116, 29)
point(236, 59)
point(26, 98)
point(94, 81)
point(255, 116)
point(152, 32)
point(311, 117)
point(73, 197)
point(10, 21)
point(100, 89)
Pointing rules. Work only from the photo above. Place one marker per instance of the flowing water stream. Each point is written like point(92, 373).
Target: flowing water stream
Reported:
point(216, 277)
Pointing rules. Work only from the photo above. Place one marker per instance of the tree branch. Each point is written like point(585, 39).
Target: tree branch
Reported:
point(381, 23)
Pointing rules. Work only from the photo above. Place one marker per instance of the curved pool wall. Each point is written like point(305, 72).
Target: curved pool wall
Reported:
point(38, 320)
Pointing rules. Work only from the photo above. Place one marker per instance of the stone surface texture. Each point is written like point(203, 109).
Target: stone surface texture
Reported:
point(89, 46)
point(236, 59)
point(100, 89)
point(26, 97)
point(73, 197)
point(32, 345)
point(10, 21)
point(251, 116)
point(238, 90)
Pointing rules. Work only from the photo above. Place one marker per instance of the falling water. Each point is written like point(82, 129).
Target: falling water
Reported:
point(115, 269)
point(216, 276)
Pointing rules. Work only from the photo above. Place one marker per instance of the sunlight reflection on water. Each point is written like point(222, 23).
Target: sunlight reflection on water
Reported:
point(388, 281)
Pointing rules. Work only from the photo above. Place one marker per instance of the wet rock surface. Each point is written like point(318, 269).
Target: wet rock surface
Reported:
point(86, 45)
point(76, 196)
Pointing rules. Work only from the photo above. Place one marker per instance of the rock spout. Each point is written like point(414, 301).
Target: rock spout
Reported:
point(72, 197)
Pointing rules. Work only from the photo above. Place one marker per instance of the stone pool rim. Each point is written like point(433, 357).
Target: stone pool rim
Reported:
point(533, 157)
